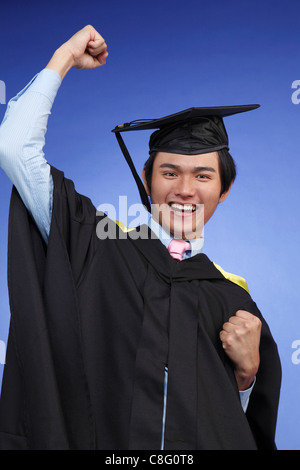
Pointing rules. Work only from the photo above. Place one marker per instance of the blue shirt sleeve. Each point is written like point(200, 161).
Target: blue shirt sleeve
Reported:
point(245, 396)
point(22, 138)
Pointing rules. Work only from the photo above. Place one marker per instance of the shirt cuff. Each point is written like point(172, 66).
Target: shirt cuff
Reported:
point(245, 396)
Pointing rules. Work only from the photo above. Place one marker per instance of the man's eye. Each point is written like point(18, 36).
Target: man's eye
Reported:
point(202, 177)
point(169, 173)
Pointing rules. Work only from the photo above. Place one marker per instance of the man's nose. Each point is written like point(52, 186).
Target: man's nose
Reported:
point(185, 187)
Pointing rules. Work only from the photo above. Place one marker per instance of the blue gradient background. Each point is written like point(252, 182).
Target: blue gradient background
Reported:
point(165, 56)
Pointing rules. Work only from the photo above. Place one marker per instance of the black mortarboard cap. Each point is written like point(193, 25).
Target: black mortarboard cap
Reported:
point(189, 132)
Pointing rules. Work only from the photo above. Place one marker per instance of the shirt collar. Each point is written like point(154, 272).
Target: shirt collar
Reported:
point(165, 237)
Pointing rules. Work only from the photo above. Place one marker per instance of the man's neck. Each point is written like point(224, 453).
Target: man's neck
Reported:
point(165, 237)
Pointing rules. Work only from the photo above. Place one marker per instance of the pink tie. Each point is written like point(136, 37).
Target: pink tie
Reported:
point(176, 248)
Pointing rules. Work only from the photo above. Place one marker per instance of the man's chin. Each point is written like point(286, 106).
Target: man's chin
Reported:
point(184, 232)
point(187, 227)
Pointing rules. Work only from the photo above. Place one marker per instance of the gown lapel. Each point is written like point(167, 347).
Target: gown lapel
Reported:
point(169, 338)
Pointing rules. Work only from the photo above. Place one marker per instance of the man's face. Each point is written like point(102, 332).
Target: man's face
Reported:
point(181, 186)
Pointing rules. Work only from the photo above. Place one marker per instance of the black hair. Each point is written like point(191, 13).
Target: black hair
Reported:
point(227, 169)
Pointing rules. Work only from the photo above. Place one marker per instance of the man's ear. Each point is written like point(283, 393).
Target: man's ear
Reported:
point(225, 194)
point(145, 182)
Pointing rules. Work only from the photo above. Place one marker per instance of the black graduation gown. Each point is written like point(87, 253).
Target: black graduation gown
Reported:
point(93, 325)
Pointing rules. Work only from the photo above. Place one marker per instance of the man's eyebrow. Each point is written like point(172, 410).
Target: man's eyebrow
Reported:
point(195, 169)
point(204, 168)
point(169, 165)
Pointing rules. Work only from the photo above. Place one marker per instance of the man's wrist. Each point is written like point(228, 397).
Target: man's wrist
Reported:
point(62, 61)
point(244, 381)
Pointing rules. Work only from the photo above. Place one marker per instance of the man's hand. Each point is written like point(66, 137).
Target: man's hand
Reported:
point(240, 339)
point(85, 50)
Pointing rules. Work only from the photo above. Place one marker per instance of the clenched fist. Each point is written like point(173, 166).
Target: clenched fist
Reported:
point(88, 48)
point(240, 339)
point(85, 50)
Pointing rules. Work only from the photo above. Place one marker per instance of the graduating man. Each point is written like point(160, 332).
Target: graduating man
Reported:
point(127, 341)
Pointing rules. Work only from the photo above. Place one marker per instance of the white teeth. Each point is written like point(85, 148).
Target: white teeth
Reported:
point(183, 207)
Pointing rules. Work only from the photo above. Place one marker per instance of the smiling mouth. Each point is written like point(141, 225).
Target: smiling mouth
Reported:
point(183, 208)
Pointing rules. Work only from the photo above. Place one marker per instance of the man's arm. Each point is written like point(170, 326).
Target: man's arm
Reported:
point(22, 138)
point(22, 132)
